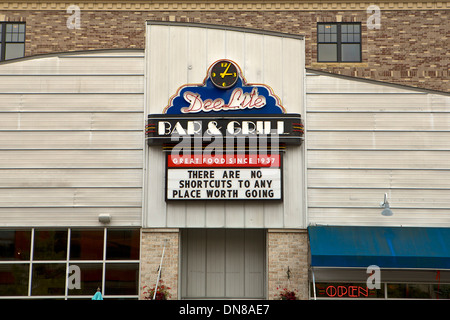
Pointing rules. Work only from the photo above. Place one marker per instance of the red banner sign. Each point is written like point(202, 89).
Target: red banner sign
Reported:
point(228, 161)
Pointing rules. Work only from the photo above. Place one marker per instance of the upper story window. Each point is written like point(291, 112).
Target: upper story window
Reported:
point(12, 40)
point(339, 42)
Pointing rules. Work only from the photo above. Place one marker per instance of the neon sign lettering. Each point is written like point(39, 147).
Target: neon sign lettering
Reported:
point(238, 100)
point(347, 291)
point(233, 127)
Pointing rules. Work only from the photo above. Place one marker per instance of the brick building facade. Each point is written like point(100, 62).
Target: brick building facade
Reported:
point(154, 243)
point(409, 47)
point(288, 248)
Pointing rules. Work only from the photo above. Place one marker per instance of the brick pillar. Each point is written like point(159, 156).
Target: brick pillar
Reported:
point(288, 248)
point(152, 244)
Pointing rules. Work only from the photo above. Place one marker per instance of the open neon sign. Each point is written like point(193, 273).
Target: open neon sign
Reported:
point(345, 291)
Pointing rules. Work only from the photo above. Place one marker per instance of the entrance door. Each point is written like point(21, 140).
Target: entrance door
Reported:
point(223, 263)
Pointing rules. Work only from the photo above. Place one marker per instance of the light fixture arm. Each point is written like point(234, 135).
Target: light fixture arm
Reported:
point(385, 203)
point(387, 210)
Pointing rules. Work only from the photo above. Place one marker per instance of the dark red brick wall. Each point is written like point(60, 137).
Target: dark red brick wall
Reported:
point(410, 48)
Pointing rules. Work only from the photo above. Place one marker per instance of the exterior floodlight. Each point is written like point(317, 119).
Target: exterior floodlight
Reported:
point(104, 218)
point(387, 210)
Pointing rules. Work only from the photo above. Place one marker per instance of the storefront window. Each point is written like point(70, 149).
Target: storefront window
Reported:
point(48, 279)
point(91, 279)
point(441, 291)
point(121, 278)
point(386, 291)
point(14, 279)
point(347, 290)
point(122, 245)
point(15, 245)
point(410, 291)
point(61, 273)
point(86, 244)
point(50, 245)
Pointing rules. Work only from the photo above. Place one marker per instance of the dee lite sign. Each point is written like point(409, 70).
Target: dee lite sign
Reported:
point(224, 105)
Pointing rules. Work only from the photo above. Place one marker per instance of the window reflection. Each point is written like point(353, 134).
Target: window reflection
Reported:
point(14, 50)
point(86, 244)
point(91, 278)
point(402, 290)
point(121, 278)
point(351, 52)
point(122, 244)
point(48, 279)
point(339, 42)
point(15, 244)
point(441, 291)
point(327, 52)
point(12, 40)
point(44, 252)
point(14, 279)
point(50, 245)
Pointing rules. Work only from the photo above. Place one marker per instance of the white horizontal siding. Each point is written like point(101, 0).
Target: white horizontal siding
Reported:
point(79, 64)
point(69, 121)
point(358, 216)
point(70, 197)
point(374, 102)
point(379, 159)
point(71, 159)
point(70, 178)
point(366, 139)
point(323, 84)
point(71, 139)
point(398, 198)
point(72, 84)
point(71, 102)
point(401, 140)
point(73, 216)
point(391, 179)
point(380, 121)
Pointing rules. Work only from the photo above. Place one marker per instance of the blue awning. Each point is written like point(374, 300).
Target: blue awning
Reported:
point(386, 247)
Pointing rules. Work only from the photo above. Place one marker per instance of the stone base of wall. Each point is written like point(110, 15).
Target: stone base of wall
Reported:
point(287, 252)
point(152, 246)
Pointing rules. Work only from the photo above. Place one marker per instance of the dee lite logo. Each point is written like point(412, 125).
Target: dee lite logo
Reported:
point(224, 91)
point(224, 105)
